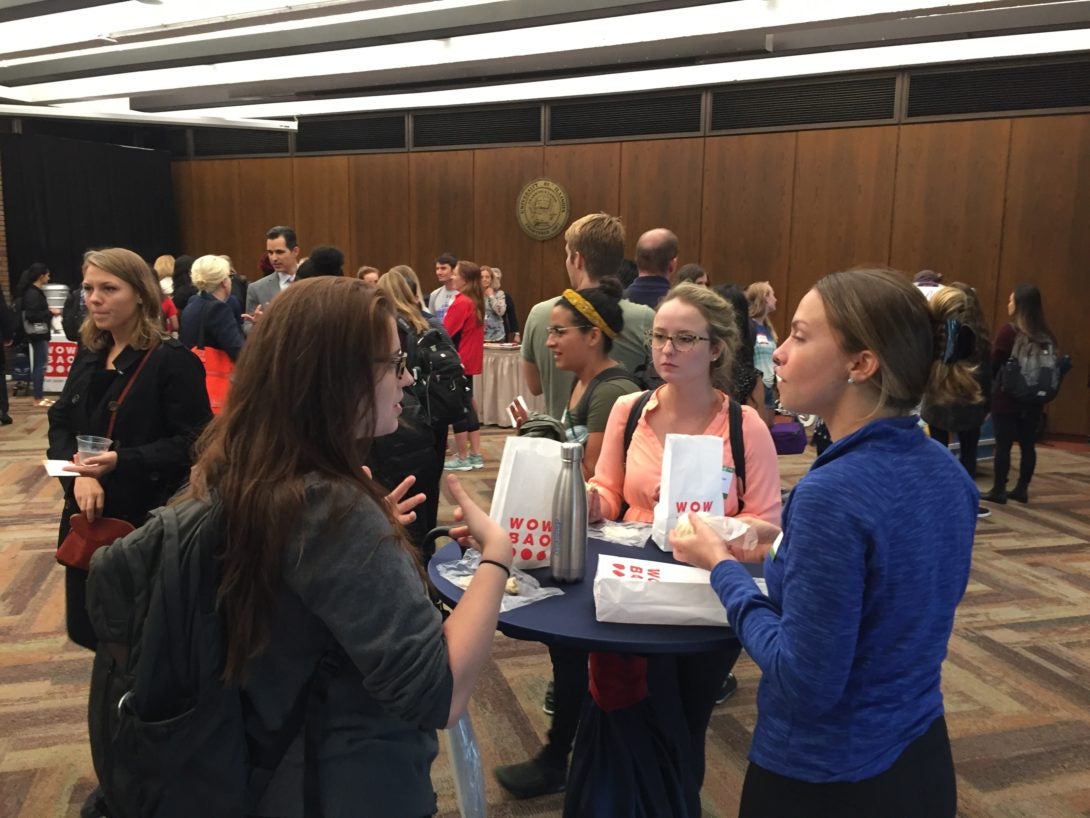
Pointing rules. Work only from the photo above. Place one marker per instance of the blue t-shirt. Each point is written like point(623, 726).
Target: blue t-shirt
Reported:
point(875, 557)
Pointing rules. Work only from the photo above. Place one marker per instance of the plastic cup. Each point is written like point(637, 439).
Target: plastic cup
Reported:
point(90, 444)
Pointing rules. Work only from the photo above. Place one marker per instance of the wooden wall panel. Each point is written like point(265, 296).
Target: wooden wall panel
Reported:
point(992, 202)
point(948, 204)
point(661, 186)
point(748, 189)
point(321, 203)
point(267, 198)
point(440, 209)
point(213, 207)
point(841, 209)
point(1046, 241)
point(378, 199)
point(181, 174)
point(591, 174)
point(498, 176)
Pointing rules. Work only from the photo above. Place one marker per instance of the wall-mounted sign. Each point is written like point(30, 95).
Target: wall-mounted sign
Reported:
point(542, 209)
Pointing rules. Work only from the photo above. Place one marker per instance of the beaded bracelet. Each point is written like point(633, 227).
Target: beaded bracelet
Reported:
point(497, 564)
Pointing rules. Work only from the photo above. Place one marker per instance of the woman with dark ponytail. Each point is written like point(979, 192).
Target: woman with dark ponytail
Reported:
point(1014, 420)
point(870, 565)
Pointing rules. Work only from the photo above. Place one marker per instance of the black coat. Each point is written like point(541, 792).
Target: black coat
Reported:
point(35, 308)
point(156, 425)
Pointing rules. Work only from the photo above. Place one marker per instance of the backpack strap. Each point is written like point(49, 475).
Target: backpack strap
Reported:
point(630, 429)
point(737, 447)
point(614, 373)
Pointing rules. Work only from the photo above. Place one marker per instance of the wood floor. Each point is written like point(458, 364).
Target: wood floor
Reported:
point(1017, 680)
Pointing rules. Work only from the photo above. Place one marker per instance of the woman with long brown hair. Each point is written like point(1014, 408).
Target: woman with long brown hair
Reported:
point(464, 322)
point(314, 558)
point(1014, 419)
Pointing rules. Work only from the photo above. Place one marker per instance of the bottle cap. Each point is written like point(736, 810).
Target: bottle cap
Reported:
point(571, 452)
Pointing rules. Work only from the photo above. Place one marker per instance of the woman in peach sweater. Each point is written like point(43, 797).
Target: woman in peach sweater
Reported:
point(693, 342)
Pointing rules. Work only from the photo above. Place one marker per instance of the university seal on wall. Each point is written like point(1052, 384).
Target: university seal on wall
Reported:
point(542, 209)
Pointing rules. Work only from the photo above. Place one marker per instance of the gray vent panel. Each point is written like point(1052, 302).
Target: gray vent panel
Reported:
point(740, 107)
point(351, 134)
point(228, 142)
point(613, 117)
point(477, 126)
point(1015, 88)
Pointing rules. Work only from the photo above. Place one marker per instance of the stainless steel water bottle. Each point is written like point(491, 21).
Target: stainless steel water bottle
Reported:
point(570, 517)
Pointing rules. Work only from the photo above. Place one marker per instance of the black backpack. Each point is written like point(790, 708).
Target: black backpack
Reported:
point(440, 382)
point(168, 738)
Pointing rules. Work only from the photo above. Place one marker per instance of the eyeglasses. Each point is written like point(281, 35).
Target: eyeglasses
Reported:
point(398, 362)
point(558, 331)
point(683, 341)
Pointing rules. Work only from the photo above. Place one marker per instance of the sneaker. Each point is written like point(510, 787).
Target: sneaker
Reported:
point(458, 464)
point(476, 461)
point(531, 778)
point(549, 705)
point(982, 512)
point(729, 688)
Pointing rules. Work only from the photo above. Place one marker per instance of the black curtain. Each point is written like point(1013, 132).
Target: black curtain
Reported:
point(63, 197)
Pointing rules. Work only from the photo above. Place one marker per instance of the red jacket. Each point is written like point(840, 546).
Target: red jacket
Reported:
point(467, 331)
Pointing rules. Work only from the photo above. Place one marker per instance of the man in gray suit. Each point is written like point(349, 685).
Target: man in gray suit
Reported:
point(283, 248)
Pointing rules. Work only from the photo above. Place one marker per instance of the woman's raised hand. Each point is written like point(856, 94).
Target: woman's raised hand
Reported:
point(479, 529)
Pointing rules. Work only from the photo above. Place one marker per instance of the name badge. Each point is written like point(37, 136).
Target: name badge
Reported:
point(728, 478)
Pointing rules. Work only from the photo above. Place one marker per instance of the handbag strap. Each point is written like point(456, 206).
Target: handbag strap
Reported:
point(201, 318)
point(116, 405)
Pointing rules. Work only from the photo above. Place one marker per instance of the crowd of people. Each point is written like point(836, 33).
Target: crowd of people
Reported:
point(328, 466)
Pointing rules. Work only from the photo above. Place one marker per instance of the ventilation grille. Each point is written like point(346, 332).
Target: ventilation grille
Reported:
point(228, 142)
point(114, 133)
point(1016, 88)
point(625, 116)
point(374, 133)
point(773, 105)
point(477, 126)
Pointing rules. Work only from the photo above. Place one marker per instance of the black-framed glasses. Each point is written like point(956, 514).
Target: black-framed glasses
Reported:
point(557, 331)
point(683, 341)
point(399, 362)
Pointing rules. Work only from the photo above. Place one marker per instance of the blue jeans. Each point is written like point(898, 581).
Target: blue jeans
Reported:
point(39, 351)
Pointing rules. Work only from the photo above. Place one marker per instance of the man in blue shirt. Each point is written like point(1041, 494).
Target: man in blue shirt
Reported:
point(656, 261)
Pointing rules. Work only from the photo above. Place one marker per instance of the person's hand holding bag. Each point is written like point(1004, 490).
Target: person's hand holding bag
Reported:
point(698, 544)
point(89, 497)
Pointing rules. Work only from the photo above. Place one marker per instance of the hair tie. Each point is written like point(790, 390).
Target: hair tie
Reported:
point(954, 341)
point(586, 309)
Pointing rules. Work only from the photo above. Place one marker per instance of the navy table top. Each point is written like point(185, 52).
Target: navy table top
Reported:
point(568, 620)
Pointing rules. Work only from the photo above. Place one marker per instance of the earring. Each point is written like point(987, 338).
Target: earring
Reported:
point(851, 381)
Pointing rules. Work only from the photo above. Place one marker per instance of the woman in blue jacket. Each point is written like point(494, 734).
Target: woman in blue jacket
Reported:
point(872, 561)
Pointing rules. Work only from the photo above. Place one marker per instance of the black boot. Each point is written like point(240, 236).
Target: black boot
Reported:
point(538, 776)
point(1020, 493)
point(996, 495)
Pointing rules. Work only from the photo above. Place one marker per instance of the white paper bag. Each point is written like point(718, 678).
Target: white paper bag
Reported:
point(523, 500)
point(693, 479)
point(654, 593)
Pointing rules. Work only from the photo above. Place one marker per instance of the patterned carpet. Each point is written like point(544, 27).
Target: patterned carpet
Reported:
point(1016, 681)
